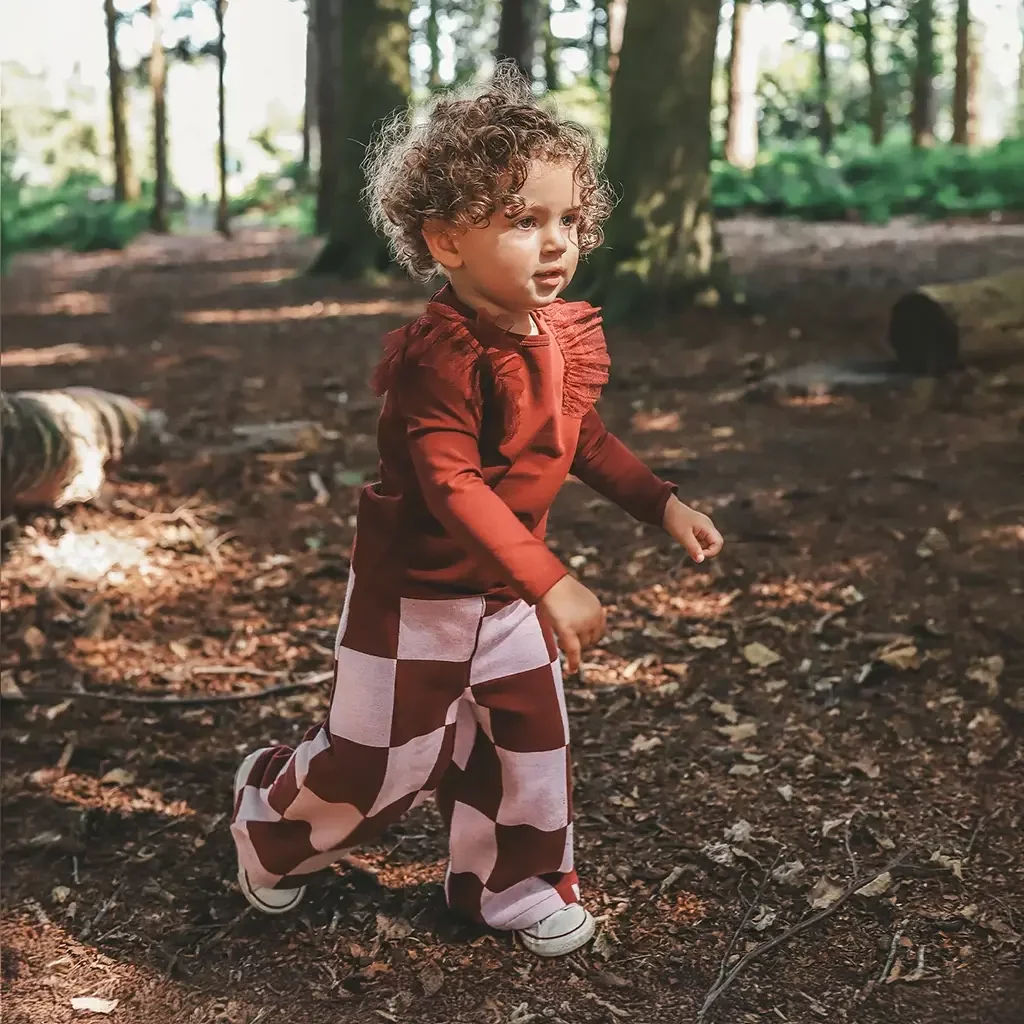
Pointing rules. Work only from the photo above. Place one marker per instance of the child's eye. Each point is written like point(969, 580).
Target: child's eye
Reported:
point(526, 223)
point(570, 218)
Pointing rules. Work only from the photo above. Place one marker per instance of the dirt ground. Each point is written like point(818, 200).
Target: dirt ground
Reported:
point(838, 696)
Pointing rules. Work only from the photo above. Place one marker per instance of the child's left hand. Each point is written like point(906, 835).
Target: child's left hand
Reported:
point(692, 529)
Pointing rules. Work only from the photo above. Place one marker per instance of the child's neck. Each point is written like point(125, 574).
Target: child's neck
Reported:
point(516, 321)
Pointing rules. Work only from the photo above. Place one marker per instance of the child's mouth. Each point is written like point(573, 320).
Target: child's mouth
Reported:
point(549, 277)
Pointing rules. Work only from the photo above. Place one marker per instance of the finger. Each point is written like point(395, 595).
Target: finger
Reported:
point(692, 545)
point(570, 644)
point(715, 543)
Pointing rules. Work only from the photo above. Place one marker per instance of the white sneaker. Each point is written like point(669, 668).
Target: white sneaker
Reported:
point(269, 901)
point(562, 932)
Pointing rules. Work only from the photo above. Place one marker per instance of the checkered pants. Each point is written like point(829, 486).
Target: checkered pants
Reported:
point(456, 697)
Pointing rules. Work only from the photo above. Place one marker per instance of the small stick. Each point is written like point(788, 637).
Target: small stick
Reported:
point(979, 828)
point(48, 696)
point(719, 987)
point(846, 843)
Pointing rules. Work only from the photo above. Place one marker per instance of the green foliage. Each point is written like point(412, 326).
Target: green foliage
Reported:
point(76, 215)
point(873, 184)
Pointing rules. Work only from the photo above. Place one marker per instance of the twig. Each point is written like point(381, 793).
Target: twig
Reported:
point(979, 828)
point(846, 842)
point(873, 983)
point(746, 917)
point(167, 699)
point(720, 986)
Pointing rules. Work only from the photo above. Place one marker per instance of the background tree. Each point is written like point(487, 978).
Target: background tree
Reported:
point(741, 73)
point(864, 25)
point(661, 243)
point(220, 8)
point(158, 85)
point(126, 186)
point(309, 93)
point(616, 22)
point(826, 127)
point(550, 49)
point(327, 27)
point(371, 79)
point(922, 111)
point(963, 86)
point(433, 35)
point(517, 30)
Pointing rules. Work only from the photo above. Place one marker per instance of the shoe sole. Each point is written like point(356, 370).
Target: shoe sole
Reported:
point(241, 774)
point(561, 944)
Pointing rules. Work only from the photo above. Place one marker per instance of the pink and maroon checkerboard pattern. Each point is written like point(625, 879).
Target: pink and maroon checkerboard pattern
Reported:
point(456, 697)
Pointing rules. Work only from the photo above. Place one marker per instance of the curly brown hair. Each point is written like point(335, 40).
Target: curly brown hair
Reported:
point(469, 155)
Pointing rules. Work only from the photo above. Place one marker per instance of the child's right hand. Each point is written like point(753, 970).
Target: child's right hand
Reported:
point(575, 615)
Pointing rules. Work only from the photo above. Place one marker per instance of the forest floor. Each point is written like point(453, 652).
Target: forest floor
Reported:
point(840, 690)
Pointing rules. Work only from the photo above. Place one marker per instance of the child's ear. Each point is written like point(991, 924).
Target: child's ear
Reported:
point(443, 242)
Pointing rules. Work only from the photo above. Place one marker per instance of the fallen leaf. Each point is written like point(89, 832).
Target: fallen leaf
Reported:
point(60, 893)
point(786, 792)
point(902, 658)
point(720, 853)
point(954, 864)
point(879, 884)
point(760, 656)
point(726, 711)
point(850, 596)
point(603, 946)
point(764, 918)
point(703, 642)
point(744, 770)
point(678, 669)
point(392, 927)
point(931, 543)
point(35, 640)
point(824, 894)
point(642, 744)
point(789, 873)
point(738, 733)
point(8, 685)
point(872, 771)
point(118, 777)
point(831, 824)
point(987, 672)
point(91, 1004)
point(740, 832)
point(432, 979)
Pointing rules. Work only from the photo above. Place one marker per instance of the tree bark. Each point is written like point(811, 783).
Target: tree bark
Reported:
point(328, 72)
point(158, 85)
point(963, 119)
point(922, 114)
point(876, 101)
point(309, 99)
point(434, 46)
point(938, 327)
point(516, 34)
point(661, 241)
point(223, 226)
point(126, 186)
point(826, 130)
point(615, 19)
point(372, 81)
point(598, 16)
point(741, 117)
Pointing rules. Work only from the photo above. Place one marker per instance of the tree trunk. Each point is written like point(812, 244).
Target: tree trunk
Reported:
point(327, 24)
point(826, 130)
point(938, 327)
point(922, 114)
point(516, 34)
point(963, 128)
point(309, 99)
point(222, 145)
point(55, 443)
point(598, 16)
point(158, 85)
point(372, 81)
point(876, 100)
point(433, 46)
point(126, 187)
point(661, 241)
point(741, 118)
point(615, 19)
point(550, 51)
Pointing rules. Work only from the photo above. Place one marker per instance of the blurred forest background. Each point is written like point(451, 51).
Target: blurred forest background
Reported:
point(819, 109)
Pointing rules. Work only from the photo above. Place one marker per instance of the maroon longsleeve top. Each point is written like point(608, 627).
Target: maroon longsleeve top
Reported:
point(478, 431)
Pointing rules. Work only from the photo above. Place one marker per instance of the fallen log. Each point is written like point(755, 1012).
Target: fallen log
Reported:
point(941, 326)
point(55, 444)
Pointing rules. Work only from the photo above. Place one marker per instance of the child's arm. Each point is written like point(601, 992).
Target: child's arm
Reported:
point(607, 466)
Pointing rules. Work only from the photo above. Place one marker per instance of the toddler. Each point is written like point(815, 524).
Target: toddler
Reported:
point(447, 675)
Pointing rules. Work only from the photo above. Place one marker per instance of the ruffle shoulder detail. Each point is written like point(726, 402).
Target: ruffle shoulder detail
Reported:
point(438, 338)
point(577, 328)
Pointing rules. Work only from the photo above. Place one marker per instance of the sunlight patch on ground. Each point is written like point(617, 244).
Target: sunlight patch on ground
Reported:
point(116, 797)
point(309, 311)
point(274, 276)
point(55, 355)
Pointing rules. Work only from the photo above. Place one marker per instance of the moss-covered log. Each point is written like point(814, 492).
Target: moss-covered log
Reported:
point(940, 326)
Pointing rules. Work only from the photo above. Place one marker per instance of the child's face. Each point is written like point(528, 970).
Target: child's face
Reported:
point(515, 264)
